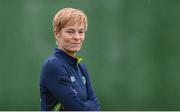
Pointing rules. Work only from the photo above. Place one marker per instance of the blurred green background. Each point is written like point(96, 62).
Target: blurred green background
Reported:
point(132, 51)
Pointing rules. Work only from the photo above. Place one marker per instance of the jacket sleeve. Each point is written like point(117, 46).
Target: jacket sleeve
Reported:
point(91, 94)
point(59, 84)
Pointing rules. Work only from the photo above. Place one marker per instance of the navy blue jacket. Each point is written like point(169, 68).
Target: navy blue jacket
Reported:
point(63, 80)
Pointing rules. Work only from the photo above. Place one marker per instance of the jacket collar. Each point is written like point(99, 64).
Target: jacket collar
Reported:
point(66, 57)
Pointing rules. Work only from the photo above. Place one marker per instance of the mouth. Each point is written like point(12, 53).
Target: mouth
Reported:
point(75, 43)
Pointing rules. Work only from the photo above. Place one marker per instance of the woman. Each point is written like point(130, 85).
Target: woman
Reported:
point(64, 82)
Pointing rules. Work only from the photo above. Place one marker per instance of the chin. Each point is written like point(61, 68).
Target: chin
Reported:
point(75, 49)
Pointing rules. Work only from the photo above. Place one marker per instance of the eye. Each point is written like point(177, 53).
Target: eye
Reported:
point(69, 31)
point(81, 31)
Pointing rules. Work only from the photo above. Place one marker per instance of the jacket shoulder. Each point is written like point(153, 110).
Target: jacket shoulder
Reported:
point(53, 64)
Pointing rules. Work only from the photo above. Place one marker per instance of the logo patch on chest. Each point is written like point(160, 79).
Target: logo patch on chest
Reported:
point(84, 80)
point(72, 78)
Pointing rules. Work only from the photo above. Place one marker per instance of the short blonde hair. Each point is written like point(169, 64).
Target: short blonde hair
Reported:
point(68, 17)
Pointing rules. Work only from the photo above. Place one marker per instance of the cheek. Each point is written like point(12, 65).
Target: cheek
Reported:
point(66, 39)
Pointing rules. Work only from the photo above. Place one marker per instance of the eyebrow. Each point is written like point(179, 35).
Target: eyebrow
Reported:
point(74, 29)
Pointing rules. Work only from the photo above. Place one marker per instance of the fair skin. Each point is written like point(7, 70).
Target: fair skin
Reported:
point(70, 38)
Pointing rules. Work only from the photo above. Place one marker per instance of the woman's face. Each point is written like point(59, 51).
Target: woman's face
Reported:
point(71, 38)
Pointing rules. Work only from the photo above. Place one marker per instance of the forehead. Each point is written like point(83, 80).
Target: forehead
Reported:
point(75, 26)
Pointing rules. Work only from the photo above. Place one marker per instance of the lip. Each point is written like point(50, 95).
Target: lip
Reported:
point(75, 43)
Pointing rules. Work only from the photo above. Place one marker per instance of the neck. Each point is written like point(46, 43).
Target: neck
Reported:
point(73, 54)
